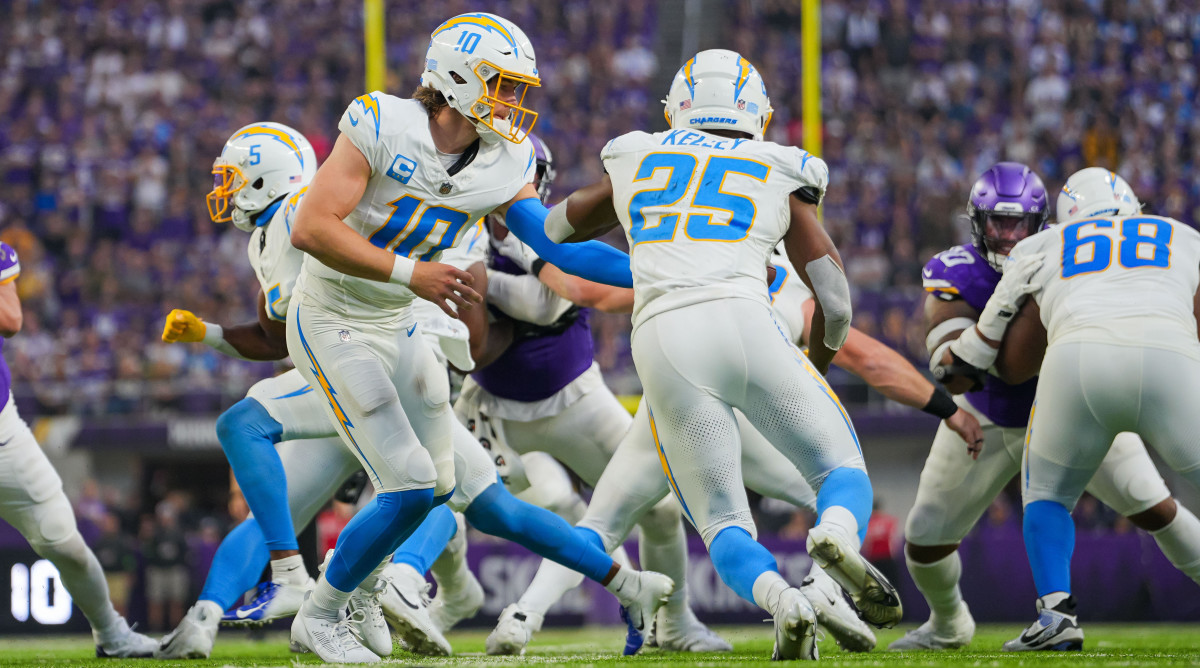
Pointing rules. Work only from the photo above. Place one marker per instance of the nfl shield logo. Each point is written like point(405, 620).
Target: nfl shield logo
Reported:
point(446, 188)
point(741, 105)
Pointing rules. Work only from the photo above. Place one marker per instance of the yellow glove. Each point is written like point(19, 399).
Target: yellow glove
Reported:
point(183, 327)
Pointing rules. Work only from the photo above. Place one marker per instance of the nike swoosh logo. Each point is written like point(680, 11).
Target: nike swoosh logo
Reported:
point(5, 442)
point(243, 613)
point(410, 333)
point(353, 120)
point(401, 594)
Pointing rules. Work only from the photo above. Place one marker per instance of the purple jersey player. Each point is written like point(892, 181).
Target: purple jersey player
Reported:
point(1007, 204)
point(32, 500)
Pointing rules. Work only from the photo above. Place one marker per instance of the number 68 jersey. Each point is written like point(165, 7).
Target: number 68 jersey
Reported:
point(703, 212)
point(1126, 281)
point(412, 206)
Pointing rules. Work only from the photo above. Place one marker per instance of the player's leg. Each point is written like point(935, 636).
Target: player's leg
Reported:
point(692, 362)
point(550, 487)
point(1129, 483)
point(1083, 402)
point(315, 469)
point(32, 501)
point(953, 493)
point(792, 406)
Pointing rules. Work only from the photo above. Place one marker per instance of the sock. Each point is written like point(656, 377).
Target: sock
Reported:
point(621, 557)
point(450, 569)
point(851, 489)
point(663, 549)
point(938, 583)
point(289, 570)
point(236, 566)
point(371, 582)
point(373, 534)
point(839, 518)
point(1180, 541)
point(1049, 542)
point(766, 590)
point(83, 577)
point(498, 513)
point(740, 561)
point(551, 582)
point(428, 540)
point(326, 601)
point(1053, 600)
point(248, 435)
point(214, 610)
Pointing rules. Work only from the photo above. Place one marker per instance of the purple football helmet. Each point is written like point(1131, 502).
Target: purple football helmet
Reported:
point(1007, 204)
point(545, 167)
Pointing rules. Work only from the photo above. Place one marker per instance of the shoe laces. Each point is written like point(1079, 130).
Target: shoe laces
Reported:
point(366, 606)
point(264, 592)
point(344, 635)
point(423, 591)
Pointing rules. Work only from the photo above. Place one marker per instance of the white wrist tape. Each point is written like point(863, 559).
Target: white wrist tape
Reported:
point(936, 355)
point(973, 350)
point(939, 331)
point(557, 226)
point(833, 293)
point(994, 319)
point(214, 337)
point(402, 271)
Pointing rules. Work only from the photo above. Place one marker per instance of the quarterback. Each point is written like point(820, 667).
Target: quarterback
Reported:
point(404, 181)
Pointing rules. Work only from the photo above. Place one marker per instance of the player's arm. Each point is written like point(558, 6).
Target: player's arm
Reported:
point(543, 230)
point(476, 319)
point(1023, 347)
point(261, 341)
point(946, 318)
point(819, 265)
point(589, 294)
point(888, 372)
point(319, 230)
point(979, 345)
point(11, 317)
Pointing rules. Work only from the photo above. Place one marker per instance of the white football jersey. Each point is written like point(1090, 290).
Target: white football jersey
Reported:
point(703, 212)
point(411, 205)
point(275, 260)
point(1126, 281)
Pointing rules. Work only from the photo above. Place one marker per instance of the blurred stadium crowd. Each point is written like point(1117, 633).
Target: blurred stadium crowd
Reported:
point(114, 110)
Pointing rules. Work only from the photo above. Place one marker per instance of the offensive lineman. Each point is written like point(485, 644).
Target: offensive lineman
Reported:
point(1112, 328)
point(1007, 204)
point(33, 502)
point(704, 339)
point(403, 181)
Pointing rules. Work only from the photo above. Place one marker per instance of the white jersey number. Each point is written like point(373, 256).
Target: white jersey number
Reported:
point(708, 195)
point(1088, 245)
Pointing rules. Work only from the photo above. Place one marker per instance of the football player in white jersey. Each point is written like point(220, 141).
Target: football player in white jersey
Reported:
point(33, 502)
point(1112, 328)
point(630, 484)
point(404, 180)
point(703, 205)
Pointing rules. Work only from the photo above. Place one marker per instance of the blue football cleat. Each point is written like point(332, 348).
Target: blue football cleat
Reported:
point(271, 601)
point(633, 637)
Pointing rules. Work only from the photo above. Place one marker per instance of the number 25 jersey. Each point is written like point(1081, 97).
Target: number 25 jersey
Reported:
point(702, 213)
point(412, 206)
point(1126, 281)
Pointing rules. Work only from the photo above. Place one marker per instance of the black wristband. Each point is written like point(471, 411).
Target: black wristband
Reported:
point(941, 404)
point(536, 267)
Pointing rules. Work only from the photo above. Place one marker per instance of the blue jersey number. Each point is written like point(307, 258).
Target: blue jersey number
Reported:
point(1088, 245)
point(404, 231)
point(709, 195)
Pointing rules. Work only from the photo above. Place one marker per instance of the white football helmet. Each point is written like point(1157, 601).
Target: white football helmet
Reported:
point(718, 89)
point(467, 52)
point(259, 164)
point(1095, 192)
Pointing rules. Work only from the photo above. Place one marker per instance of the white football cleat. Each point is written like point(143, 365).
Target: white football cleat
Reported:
point(195, 635)
point(685, 634)
point(125, 643)
point(871, 592)
point(954, 633)
point(513, 631)
point(450, 608)
point(366, 620)
point(272, 601)
point(835, 614)
point(1056, 630)
point(405, 600)
point(333, 642)
point(795, 627)
point(648, 593)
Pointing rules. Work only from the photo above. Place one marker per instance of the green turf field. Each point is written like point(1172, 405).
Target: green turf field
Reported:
point(1124, 645)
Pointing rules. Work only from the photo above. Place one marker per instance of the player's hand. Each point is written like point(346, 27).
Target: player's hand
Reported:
point(512, 248)
point(967, 427)
point(1010, 293)
point(183, 327)
point(437, 282)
